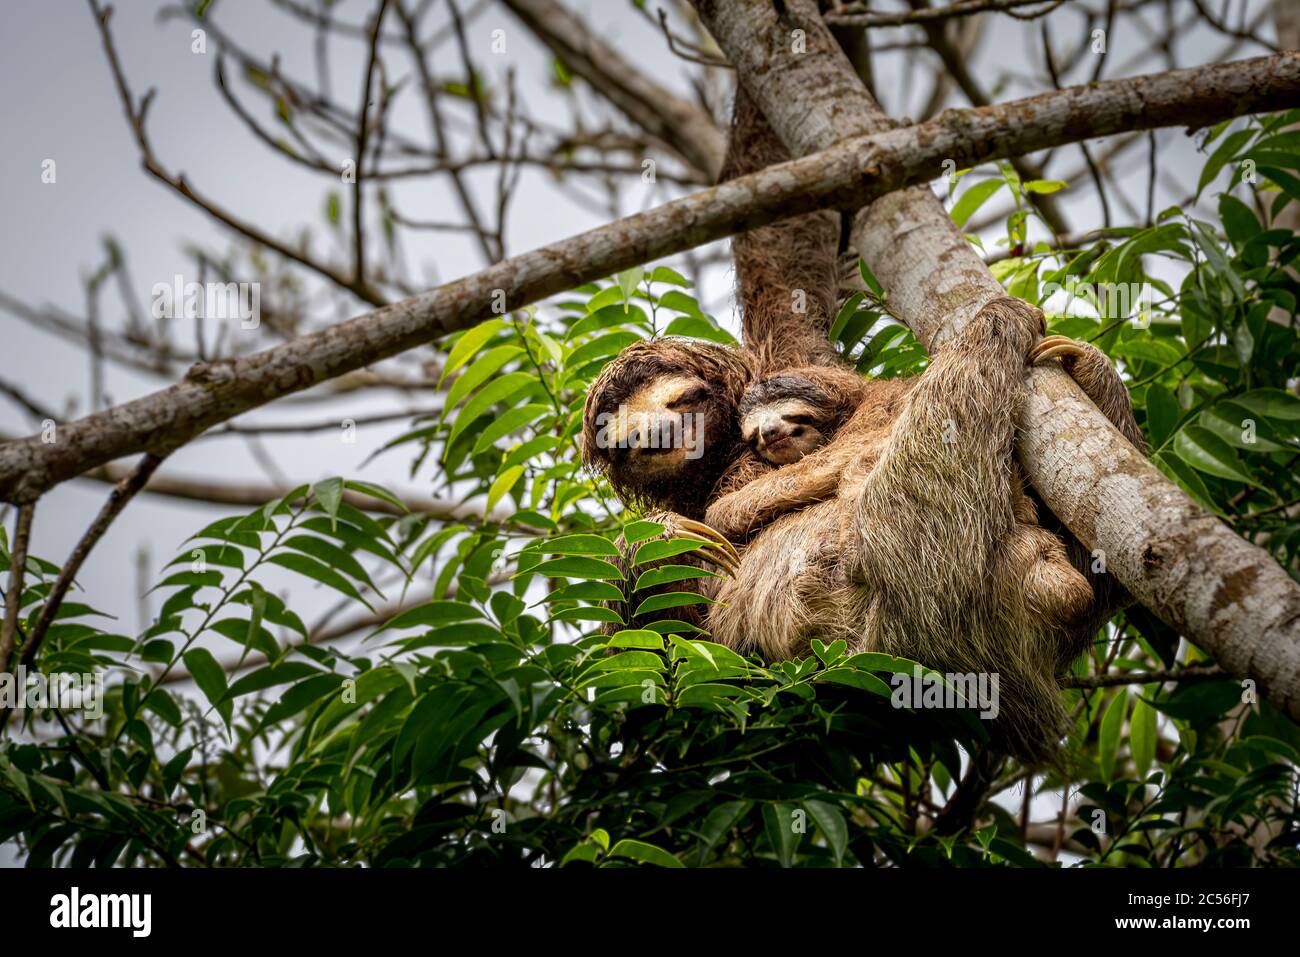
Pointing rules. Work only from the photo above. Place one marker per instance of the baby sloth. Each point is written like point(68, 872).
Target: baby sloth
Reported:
point(792, 413)
point(786, 416)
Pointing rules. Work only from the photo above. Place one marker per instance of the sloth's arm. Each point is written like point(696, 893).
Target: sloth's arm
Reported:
point(942, 487)
point(1091, 369)
point(786, 273)
point(812, 479)
point(715, 555)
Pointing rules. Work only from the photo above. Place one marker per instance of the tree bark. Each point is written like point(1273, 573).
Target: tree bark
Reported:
point(850, 174)
point(1223, 593)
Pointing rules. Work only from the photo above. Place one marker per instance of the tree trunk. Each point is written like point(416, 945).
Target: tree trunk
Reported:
point(1224, 594)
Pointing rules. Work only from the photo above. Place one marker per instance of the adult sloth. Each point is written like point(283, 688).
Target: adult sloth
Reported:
point(910, 532)
point(661, 422)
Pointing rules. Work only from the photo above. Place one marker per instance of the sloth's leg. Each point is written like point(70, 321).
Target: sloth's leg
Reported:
point(1034, 574)
point(1091, 369)
point(943, 552)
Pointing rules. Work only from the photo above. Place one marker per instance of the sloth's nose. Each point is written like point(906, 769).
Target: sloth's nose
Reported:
point(771, 433)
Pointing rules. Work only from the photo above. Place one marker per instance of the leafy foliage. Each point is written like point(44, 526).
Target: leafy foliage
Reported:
point(486, 720)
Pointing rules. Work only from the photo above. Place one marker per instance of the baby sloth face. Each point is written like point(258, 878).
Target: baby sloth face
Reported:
point(784, 417)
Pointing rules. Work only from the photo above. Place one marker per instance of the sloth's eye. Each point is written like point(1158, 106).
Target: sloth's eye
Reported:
point(697, 394)
point(800, 419)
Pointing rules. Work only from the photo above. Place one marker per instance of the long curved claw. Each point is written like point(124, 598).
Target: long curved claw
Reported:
point(716, 548)
point(1053, 347)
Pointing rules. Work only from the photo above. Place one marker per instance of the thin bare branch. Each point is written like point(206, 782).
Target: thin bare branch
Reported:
point(14, 595)
point(849, 174)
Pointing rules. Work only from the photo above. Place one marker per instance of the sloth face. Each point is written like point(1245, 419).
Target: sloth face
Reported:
point(659, 427)
point(660, 421)
point(783, 432)
point(784, 417)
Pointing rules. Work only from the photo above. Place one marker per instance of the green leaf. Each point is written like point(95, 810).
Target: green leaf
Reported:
point(973, 198)
point(496, 391)
point(576, 567)
point(310, 568)
point(611, 343)
point(1228, 421)
point(1271, 404)
point(1142, 736)
point(1044, 185)
point(478, 372)
point(330, 554)
point(636, 638)
point(832, 825)
point(1226, 152)
point(432, 614)
point(628, 280)
point(1204, 450)
point(269, 677)
point(163, 705)
point(1112, 722)
point(606, 297)
point(1162, 413)
point(672, 276)
point(659, 550)
point(667, 574)
point(589, 613)
point(376, 492)
point(699, 327)
point(330, 495)
point(470, 343)
point(719, 821)
point(508, 422)
point(585, 591)
point(779, 824)
point(210, 678)
point(503, 484)
point(1239, 220)
point(639, 531)
point(644, 854)
point(673, 599)
point(576, 545)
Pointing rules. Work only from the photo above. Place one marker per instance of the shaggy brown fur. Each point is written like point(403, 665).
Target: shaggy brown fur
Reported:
point(783, 268)
point(667, 478)
point(792, 413)
point(911, 532)
point(920, 540)
point(785, 324)
point(849, 397)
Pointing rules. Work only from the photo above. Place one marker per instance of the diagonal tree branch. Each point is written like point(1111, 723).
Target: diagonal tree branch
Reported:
point(849, 175)
point(1225, 594)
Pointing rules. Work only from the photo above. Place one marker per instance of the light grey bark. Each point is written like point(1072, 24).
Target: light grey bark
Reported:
point(847, 176)
point(1223, 593)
